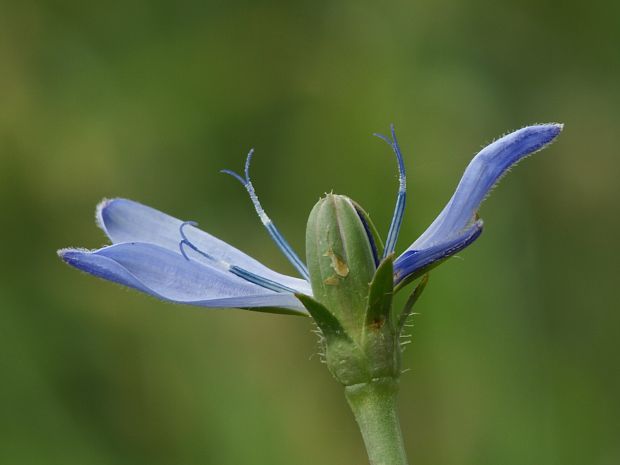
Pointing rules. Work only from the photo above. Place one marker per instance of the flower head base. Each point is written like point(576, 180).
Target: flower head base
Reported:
point(361, 331)
point(175, 261)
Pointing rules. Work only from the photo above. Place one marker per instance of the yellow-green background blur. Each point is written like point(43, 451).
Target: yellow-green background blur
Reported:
point(515, 354)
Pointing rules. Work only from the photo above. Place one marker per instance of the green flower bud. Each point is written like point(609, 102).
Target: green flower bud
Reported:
point(352, 302)
point(340, 259)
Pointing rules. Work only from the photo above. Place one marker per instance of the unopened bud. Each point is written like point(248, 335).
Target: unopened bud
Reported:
point(340, 260)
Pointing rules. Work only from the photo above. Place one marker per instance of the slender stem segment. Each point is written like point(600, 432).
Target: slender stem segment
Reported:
point(374, 407)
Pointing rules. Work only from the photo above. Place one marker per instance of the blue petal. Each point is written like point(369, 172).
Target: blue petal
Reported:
point(413, 263)
point(481, 175)
point(166, 275)
point(128, 221)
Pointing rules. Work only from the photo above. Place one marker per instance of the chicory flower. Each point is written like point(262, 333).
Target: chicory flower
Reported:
point(175, 261)
point(347, 286)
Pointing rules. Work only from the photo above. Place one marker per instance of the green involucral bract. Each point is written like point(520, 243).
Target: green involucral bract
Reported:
point(352, 303)
point(340, 259)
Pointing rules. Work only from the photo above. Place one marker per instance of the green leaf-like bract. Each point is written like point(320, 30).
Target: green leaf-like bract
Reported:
point(380, 295)
point(401, 318)
point(328, 324)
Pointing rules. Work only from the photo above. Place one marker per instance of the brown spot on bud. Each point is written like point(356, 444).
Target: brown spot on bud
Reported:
point(377, 323)
point(332, 280)
point(338, 264)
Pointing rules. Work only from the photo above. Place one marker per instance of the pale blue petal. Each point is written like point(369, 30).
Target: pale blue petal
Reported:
point(413, 263)
point(165, 274)
point(481, 175)
point(128, 221)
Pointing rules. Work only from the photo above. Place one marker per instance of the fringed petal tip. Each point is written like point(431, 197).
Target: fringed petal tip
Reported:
point(554, 130)
point(543, 134)
point(100, 213)
point(70, 254)
point(517, 145)
point(553, 127)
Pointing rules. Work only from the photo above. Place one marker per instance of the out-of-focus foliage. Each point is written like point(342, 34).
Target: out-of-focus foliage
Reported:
point(515, 354)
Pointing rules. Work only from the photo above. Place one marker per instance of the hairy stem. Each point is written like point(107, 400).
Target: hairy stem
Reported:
point(374, 407)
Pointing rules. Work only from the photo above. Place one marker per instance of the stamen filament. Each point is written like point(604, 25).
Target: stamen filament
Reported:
point(399, 209)
point(259, 280)
point(234, 269)
point(275, 234)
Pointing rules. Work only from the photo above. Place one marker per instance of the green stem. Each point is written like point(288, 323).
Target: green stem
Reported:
point(374, 407)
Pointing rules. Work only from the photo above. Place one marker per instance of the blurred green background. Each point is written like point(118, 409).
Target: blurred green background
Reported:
point(515, 354)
